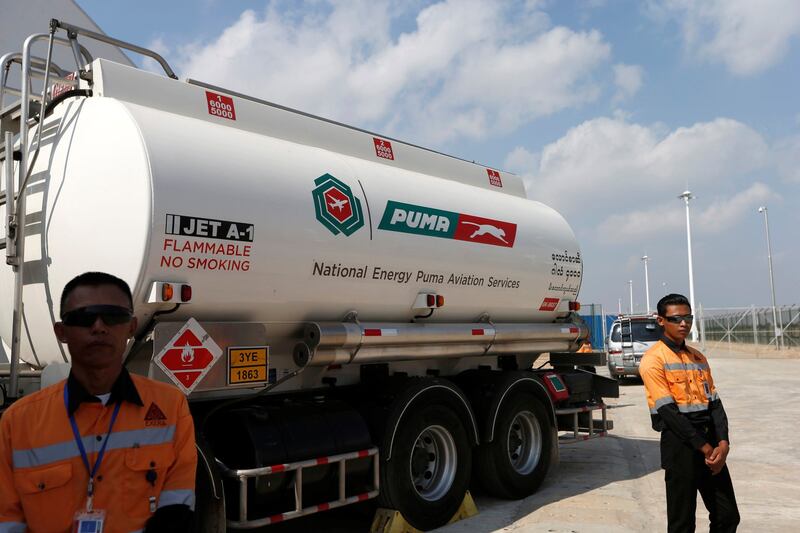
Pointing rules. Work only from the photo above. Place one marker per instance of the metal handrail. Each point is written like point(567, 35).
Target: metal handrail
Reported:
point(73, 31)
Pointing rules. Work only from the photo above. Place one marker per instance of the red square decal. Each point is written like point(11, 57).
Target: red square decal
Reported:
point(549, 304)
point(383, 148)
point(220, 105)
point(494, 177)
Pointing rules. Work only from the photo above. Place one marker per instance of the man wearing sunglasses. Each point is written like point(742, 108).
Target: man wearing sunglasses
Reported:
point(103, 450)
point(686, 409)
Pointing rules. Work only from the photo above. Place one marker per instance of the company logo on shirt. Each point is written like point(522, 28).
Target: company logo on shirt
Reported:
point(155, 416)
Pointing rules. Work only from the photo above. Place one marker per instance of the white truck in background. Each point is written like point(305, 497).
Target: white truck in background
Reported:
point(628, 339)
point(351, 316)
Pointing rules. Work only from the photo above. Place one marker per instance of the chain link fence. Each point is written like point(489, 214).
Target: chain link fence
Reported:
point(752, 325)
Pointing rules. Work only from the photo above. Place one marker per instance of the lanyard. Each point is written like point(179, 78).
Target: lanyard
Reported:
point(91, 470)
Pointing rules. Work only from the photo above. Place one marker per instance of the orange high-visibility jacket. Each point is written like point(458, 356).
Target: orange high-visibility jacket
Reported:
point(43, 480)
point(681, 393)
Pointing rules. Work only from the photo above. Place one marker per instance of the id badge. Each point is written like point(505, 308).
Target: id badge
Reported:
point(707, 389)
point(88, 521)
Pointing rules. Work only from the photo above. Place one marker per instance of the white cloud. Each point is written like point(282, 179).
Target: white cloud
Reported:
point(628, 79)
point(718, 216)
point(787, 156)
point(746, 36)
point(521, 161)
point(611, 162)
point(467, 69)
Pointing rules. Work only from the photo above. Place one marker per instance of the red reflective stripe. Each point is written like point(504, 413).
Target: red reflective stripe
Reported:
point(573, 330)
point(274, 519)
point(477, 332)
point(362, 497)
point(323, 506)
point(278, 468)
point(372, 333)
point(363, 453)
point(322, 461)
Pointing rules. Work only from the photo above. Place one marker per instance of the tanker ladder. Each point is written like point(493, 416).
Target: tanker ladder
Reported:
point(17, 121)
point(244, 475)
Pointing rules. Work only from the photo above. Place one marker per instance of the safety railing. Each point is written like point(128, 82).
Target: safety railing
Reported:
point(244, 475)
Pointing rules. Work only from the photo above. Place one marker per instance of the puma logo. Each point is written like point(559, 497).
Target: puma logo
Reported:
point(487, 229)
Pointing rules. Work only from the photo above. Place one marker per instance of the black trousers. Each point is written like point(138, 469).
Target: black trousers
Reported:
point(685, 474)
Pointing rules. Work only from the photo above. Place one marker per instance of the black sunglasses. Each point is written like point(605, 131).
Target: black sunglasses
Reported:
point(677, 319)
point(84, 317)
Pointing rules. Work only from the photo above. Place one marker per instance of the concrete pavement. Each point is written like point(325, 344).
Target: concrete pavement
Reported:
point(616, 484)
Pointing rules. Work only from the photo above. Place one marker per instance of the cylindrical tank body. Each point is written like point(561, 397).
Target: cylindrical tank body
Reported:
point(264, 229)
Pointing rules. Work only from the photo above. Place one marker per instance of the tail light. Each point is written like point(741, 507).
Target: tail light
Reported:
point(167, 292)
point(186, 293)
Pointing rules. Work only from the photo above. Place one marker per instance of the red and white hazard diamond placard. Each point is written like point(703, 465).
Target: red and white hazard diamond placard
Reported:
point(188, 356)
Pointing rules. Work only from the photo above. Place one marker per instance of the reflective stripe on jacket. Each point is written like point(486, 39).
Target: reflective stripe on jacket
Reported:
point(682, 378)
point(149, 462)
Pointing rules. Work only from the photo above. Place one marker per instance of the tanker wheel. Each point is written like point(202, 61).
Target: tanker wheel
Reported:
point(427, 477)
point(515, 463)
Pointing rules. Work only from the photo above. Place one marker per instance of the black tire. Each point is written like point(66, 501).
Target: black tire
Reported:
point(428, 475)
point(516, 462)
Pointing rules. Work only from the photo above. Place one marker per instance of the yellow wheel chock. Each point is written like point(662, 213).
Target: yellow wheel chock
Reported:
point(391, 521)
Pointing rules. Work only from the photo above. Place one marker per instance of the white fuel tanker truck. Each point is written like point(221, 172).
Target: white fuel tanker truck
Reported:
point(351, 316)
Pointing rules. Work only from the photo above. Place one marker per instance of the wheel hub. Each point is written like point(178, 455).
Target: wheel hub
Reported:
point(433, 463)
point(524, 442)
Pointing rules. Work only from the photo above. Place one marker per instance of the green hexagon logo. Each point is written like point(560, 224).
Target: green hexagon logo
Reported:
point(336, 206)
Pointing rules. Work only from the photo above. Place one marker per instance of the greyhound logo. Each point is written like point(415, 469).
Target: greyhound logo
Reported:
point(487, 229)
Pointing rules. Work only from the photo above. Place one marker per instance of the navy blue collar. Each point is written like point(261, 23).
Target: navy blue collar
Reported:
point(123, 390)
point(677, 348)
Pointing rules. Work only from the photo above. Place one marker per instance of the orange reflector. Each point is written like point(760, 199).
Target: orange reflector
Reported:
point(439, 300)
point(167, 292)
point(431, 300)
point(574, 306)
point(186, 293)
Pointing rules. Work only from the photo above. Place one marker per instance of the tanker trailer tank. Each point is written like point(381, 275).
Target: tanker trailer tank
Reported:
point(350, 316)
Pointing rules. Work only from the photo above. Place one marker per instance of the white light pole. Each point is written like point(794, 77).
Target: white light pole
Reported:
point(686, 196)
point(619, 303)
point(664, 284)
point(646, 282)
point(630, 289)
point(776, 322)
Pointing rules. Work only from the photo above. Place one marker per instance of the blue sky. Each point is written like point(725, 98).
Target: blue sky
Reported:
point(607, 108)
